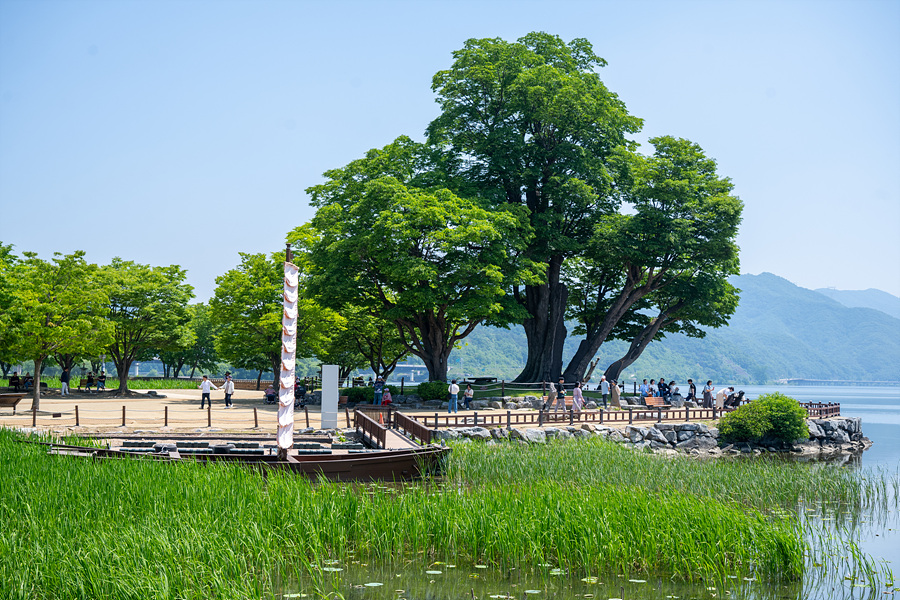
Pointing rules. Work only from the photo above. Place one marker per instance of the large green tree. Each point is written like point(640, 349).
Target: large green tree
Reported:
point(432, 263)
point(148, 307)
point(246, 311)
point(197, 350)
point(58, 306)
point(531, 124)
point(8, 261)
point(684, 223)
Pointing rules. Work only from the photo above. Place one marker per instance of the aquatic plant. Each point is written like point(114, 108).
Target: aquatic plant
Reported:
point(774, 416)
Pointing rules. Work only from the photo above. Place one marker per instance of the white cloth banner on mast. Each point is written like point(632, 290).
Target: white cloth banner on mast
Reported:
point(288, 358)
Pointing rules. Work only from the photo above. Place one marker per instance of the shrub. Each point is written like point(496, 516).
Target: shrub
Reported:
point(773, 416)
point(365, 395)
point(433, 390)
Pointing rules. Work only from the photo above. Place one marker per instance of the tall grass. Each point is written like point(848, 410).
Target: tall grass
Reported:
point(133, 384)
point(133, 528)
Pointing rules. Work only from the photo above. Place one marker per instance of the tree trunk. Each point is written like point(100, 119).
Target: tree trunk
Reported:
point(590, 373)
point(194, 368)
point(276, 371)
point(123, 366)
point(545, 331)
point(258, 377)
point(5, 367)
point(36, 393)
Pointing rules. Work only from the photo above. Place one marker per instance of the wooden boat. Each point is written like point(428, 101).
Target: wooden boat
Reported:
point(381, 465)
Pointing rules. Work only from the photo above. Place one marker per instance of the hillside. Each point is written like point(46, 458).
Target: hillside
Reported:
point(870, 298)
point(779, 331)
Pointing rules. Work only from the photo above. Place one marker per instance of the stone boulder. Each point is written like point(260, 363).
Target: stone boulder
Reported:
point(475, 433)
point(535, 436)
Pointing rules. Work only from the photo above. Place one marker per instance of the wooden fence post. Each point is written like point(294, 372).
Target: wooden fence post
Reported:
point(601, 415)
point(508, 420)
point(166, 416)
point(347, 411)
point(571, 417)
point(77, 420)
point(306, 411)
point(402, 382)
point(123, 415)
point(476, 417)
point(209, 415)
point(541, 417)
point(502, 387)
point(630, 416)
point(255, 418)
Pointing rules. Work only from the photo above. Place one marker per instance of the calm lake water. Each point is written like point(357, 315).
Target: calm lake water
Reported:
point(876, 531)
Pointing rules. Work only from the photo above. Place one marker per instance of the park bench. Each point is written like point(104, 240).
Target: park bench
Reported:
point(656, 402)
point(11, 400)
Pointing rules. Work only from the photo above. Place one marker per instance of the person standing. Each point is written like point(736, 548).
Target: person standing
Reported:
point(708, 394)
point(468, 395)
point(64, 383)
point(692, 391)
point(604, 389)
point(229, 391)
point(453, 389)
point(560, 396)
point(578, 397)
point(379, 390)
point(205, 386)
point(614, 397)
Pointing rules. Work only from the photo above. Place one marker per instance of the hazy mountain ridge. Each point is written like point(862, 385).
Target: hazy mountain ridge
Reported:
point(779, 331)
point(870, 298)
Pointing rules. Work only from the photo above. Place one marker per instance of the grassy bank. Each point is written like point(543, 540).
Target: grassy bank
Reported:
point(133, 384)
point(135, 529)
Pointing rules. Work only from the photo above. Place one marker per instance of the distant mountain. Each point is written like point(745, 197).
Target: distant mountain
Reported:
point(779, 331)
point(870, 298)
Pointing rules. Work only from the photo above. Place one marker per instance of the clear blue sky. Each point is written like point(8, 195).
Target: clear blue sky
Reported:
point(186, 131)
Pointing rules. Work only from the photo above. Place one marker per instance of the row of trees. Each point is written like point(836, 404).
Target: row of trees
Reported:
point(528, 204)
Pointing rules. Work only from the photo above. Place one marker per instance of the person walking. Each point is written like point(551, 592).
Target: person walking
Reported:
point(205, 386)
point(604, 389)
point(578, 398)
point(64, 383)
point(708, 394)
point(692, 391)
point(560, 396)
point(453, 389)
point(614, 395)
point(379, 390)
point(468, 395)
point(229, 391)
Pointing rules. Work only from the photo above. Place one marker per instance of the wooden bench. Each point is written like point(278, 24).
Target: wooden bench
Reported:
point(11, 400)
point(83, 384)
point(656, 402)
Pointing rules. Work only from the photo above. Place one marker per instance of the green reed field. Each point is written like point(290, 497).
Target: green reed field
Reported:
point(76, 528)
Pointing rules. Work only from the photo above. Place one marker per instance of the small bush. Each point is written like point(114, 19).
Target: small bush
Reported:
point(774, 416)
point(433, 390)
point(365, 395)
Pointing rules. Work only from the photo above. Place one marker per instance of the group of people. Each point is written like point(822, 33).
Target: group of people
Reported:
point(724, 398)
point(65, 377)
point(26, 381)
point(206, 386)
point(453, 390)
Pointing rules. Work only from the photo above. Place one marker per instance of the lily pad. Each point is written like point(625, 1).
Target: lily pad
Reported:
point(374, 584)
point(433, 572)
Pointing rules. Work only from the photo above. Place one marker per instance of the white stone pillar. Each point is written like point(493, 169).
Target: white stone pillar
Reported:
point(329, 396)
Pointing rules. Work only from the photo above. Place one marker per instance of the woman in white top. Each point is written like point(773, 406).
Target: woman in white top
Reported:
point(229, 391)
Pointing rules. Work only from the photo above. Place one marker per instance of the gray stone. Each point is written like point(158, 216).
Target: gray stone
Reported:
point(671, 436)
point(815, 432)
point(706, 442)
point(589, 427)
point(635, 434)
point(616, 436)
point(655, 435)
point(516, 434)
point(702, 428)
point(690, 404)
point(687, 427)
point(687, 444)
point(591, 405)
point(840, 436)
point(535, 436)
point(476, 433)
point(498, 433)
point(551, 432)
point(658, 445)
point(446, 434)
point(562, 434)
point(581, 433)
point(478, 404)
point(434, 403)
point(496, 404)
point(714, 432)
point(665, 426)
point(685, 435)
point(677, 400)
point(511, 406)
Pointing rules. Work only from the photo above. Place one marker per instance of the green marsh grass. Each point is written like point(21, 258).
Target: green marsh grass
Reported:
point(131, 528)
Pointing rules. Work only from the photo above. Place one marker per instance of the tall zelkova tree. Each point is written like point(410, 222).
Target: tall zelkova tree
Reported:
point(531, 124)
point(246, 312)
point(684, 224)
point(59, 306)
point(148, 308)
point(432, 263)
point(685, 306)
point(8, 262)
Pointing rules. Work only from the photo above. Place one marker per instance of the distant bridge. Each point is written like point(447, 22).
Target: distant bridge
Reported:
point(845, 382)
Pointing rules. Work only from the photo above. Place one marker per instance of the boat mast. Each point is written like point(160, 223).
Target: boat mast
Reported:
point(285, 436)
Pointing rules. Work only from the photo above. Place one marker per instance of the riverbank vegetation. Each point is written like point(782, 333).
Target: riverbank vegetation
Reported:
point(133, 528)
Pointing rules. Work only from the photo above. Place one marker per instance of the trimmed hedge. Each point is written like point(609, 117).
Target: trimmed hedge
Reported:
point(771, 416)
point(365, 395)
point(433, 390)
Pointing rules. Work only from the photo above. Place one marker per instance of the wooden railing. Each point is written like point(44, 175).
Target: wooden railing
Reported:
point(370, 429)
point(412, 428)
point(822, 410)
point(540, 418)
point(374, 410)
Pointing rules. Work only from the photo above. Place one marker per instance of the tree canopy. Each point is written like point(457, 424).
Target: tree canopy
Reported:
point(56, 306)
point(148, 308)
point(432, 263)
